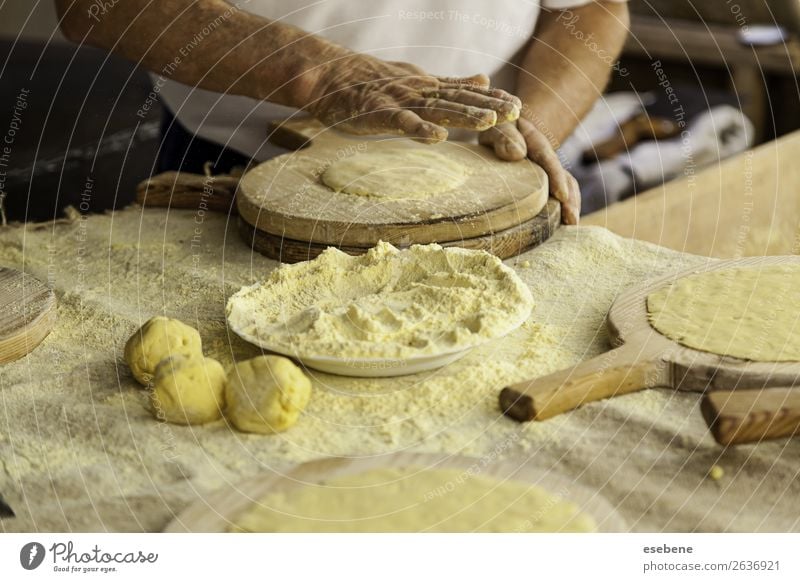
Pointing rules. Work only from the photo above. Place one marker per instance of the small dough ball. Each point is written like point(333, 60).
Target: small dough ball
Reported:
point(188, 390)
point(266, 394)
point(159, 338)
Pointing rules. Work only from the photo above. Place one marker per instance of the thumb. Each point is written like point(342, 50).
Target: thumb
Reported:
point(506, 140)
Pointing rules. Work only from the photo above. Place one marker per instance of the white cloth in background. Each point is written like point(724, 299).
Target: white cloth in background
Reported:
point(444, 37)
point(709, 137)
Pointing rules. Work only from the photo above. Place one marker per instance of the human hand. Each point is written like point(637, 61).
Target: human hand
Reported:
point(515, 141)
point(363, 95)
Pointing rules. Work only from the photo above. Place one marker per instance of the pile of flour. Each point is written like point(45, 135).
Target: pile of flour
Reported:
point(387, 303)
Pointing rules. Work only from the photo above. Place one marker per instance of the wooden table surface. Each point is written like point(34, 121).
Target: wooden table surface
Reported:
point(747, 205)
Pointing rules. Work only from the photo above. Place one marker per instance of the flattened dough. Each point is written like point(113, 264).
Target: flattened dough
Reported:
point(414, 500)
point(395, 175)
point(752, 313)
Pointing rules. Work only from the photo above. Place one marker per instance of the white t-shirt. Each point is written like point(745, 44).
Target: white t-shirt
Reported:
point(444, 37)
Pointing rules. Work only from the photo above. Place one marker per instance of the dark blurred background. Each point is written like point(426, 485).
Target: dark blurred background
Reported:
point(81, 121)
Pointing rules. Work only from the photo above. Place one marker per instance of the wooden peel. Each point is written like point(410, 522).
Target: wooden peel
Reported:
point(646, 359)
point(27, 314)
point(192, 191)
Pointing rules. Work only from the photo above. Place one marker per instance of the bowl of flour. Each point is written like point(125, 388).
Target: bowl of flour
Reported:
point(387, 312)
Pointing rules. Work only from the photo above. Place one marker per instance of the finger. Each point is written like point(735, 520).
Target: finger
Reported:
point(450, 114)
point(405, 122)
point(393, 120)
point(410, 67)
point(492, 92)
point(574, 206)
point(506, 140)
point(479, 81)
point(507, 110)
point(561, 186)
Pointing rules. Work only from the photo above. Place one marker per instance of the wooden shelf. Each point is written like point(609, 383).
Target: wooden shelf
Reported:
point(707, 44)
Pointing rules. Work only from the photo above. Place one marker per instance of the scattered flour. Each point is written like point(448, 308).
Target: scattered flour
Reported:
point(79, 450)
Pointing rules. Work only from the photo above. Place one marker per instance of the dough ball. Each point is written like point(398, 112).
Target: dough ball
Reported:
point(188, 389)
point(159, 338)
point(266, 394)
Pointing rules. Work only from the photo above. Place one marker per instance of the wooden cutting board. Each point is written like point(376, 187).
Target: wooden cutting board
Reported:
point(27, 313)
point(644, 359)
point(216, 511)
point(285, 196)
point(504, 244)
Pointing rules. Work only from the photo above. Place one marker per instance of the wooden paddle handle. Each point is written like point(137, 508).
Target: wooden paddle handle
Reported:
point(625, 369)
point(747, 416)
point(189, 191)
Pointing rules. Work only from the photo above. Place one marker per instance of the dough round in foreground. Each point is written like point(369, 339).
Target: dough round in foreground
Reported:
point(385, 304)
point(749, 313)
point(159, 338)
point(414, 500)
point(266, 394)
point(400, 174)
point(188, 390)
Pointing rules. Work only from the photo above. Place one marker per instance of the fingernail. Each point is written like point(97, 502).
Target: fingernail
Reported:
point(513, 114)
point(433, 133)
point(487, 119)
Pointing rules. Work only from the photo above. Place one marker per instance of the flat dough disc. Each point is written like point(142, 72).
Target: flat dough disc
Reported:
point(414, 500)
point(395, 175)
point(749, 313)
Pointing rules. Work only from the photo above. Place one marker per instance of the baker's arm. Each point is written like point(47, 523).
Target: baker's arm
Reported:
point(213, 45)
point(564, 71)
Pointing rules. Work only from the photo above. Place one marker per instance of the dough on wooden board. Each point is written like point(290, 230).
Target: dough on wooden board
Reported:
point(395, 174)
point(159, 338)
point(266, 394)
point(414, 500)
point(188, 390)
point(752, 313)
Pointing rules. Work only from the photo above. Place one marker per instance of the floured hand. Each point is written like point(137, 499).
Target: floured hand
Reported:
point(514, 141)
point(364, 95)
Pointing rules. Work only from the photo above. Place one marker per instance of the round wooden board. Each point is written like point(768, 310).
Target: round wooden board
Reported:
point(217, 511)
point(27, 313)
point(286, 197)
point(504, 244)
point(644, 358)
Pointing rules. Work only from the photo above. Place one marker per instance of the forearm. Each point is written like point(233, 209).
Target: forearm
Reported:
point(205, 43)
point(568, 65)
